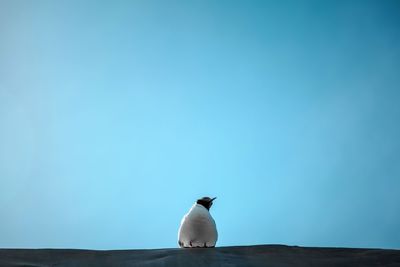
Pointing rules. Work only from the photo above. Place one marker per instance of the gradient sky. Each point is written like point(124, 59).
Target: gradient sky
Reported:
point(115, 116)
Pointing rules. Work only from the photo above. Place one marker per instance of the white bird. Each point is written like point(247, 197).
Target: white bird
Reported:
point(198, 228)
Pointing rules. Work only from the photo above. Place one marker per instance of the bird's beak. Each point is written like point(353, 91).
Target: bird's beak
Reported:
point(213, 199)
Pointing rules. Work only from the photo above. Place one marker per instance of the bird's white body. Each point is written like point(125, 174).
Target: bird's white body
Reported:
point(197, 228)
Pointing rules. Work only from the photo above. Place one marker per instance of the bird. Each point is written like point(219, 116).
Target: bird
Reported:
point(198, 228)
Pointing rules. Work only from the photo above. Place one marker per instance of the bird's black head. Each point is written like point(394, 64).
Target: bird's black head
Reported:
point(206, 202)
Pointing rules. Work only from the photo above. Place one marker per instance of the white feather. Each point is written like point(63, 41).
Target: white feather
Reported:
point(198, 228)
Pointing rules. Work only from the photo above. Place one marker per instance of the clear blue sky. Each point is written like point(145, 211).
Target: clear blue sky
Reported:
point(115, 116)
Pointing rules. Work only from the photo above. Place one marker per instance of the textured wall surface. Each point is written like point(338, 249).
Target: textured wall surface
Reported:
point(263, 255)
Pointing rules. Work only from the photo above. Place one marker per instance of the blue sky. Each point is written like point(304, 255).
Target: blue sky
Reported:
point(115, 116)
